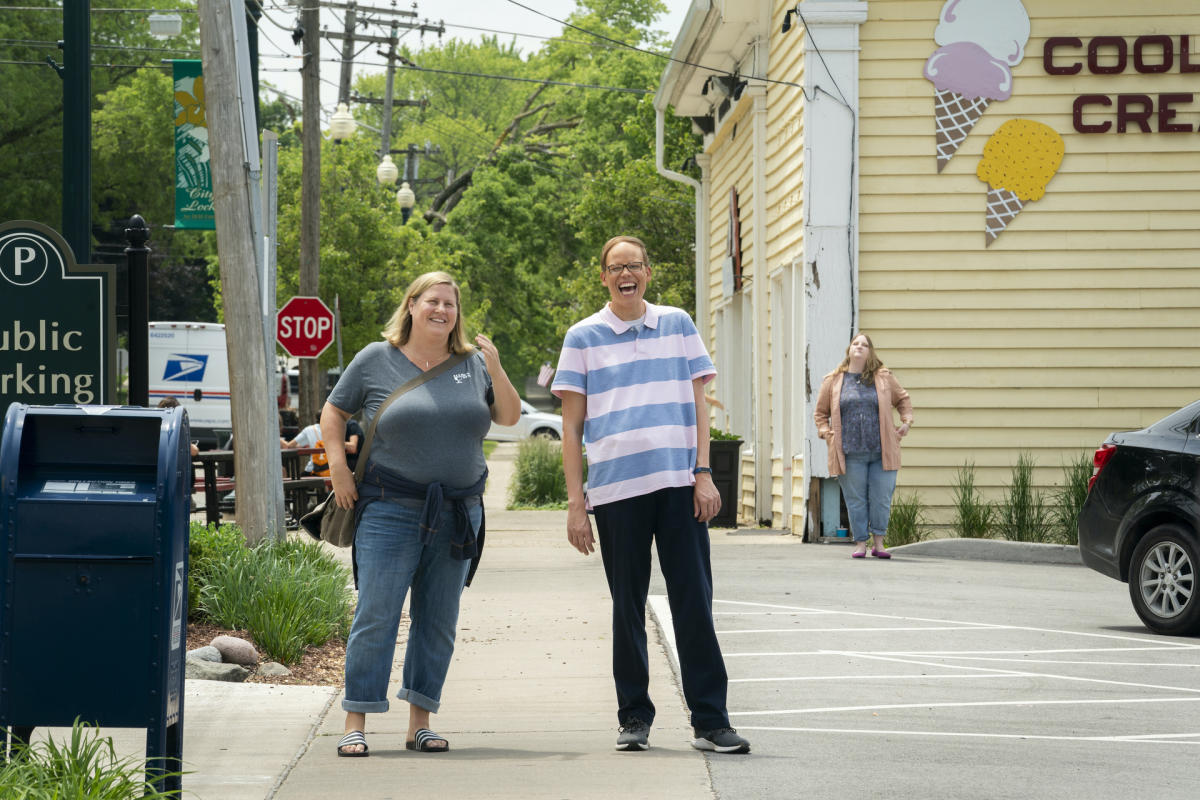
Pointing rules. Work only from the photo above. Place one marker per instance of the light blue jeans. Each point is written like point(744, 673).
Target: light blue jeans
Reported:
point(391, 559)
point(867, 488)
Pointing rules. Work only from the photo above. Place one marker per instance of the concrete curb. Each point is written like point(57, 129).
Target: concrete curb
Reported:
point(993, 550)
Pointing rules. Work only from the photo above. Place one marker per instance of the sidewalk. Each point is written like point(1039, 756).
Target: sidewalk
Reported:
point(529, 707)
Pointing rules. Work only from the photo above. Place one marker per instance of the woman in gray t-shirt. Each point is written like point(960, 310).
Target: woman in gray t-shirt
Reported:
point(420, 505)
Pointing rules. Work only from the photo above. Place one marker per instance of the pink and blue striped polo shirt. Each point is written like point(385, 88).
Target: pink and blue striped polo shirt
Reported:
point(640, 428)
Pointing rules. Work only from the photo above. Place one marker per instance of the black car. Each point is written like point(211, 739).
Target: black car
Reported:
point(1141, 520)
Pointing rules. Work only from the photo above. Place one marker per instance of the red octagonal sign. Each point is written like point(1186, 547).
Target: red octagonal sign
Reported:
point(304, 327)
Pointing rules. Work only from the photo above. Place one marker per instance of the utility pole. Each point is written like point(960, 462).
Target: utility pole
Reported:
point(310, 195)
point(387, 94)
point(348, 54)
point(234, 163)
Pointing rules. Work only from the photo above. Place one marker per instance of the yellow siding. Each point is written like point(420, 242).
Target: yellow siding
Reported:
point(1082, 317)
point(785, 145)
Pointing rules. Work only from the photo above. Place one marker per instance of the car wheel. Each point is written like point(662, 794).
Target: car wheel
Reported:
point(546, 433)
point(1162, 581)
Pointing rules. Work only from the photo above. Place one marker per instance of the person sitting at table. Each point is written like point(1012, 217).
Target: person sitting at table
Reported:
point(310, 436)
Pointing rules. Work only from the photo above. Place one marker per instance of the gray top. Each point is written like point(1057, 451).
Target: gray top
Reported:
point(432, 433)
point(860, 415)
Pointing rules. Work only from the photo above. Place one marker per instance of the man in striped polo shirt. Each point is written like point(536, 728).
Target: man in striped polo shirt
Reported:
point(631, 381)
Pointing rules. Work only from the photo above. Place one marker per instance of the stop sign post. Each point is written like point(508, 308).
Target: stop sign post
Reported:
point(304, 327)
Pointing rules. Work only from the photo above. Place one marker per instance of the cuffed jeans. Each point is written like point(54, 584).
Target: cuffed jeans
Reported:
point(626, 528)
point(390, 559)
point(867, 488)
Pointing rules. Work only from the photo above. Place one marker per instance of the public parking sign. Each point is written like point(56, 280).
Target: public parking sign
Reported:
point(304, 327)
point(57, 321)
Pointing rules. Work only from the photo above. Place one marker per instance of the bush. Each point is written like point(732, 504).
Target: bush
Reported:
point(973, 515)
point(85, 769)
point(1023, 514)
point(538, 478)
point(209, 546)
point(1068, 500)
point(907, 522)
point(288, 595)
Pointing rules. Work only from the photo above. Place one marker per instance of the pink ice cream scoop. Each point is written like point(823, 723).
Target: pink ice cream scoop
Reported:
point(969, 70)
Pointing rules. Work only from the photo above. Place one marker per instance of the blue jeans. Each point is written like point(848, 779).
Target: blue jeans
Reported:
point(391, 559)
point(868, 489)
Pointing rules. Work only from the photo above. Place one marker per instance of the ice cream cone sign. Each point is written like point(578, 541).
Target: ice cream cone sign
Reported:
point(980, 42)
point(1018, 161)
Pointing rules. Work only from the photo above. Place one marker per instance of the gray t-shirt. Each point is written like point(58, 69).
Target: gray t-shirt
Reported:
point(432, 433)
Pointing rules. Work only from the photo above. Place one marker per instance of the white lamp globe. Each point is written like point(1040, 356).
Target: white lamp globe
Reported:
point(387, 173)
point(341, 124)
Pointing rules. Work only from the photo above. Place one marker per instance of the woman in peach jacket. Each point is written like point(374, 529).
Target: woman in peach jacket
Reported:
point(854, 417)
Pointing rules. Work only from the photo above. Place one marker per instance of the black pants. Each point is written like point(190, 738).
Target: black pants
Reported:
point(626, 528)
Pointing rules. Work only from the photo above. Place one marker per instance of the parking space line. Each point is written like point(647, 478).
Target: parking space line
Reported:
point(873, 677)
point(1020, 673)
point(860, 630)
point(1171, 738)
point(964, 704)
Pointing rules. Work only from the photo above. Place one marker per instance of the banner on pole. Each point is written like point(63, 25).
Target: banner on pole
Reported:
point(193, 177)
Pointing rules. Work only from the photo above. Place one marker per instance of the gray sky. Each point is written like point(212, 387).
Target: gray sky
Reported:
point(280, 63)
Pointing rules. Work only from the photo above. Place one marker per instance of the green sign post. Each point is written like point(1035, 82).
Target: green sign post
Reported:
point(57, 321)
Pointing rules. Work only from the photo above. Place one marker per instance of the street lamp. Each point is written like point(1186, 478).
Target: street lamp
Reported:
point(341, 124)
point(407, 200)
point(386, 173)
point(165, 26)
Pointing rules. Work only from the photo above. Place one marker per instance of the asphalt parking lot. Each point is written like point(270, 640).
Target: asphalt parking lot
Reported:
point(944, 678)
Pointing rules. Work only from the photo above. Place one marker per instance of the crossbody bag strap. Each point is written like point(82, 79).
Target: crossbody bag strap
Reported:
point(428, 375)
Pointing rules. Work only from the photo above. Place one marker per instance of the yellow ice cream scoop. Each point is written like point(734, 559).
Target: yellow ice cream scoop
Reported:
point(1021, 156)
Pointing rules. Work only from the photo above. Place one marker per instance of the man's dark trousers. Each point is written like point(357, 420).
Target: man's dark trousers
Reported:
point(626, 529)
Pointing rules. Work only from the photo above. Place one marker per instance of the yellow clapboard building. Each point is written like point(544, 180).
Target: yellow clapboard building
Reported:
point(1005, 195)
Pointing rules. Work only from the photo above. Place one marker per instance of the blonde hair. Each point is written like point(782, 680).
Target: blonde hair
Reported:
point(872, 365)
point(399, 327)
point(616, 240)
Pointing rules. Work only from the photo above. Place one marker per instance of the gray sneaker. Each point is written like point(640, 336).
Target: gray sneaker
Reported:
point(720, 740)
point(633, 735)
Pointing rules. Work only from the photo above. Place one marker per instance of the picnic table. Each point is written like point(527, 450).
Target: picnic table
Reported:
point(298, 488)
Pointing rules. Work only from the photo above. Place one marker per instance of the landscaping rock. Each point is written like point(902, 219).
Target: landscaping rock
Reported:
point(206, 653)
point(273, 669)
point(235, 650)
point(208, 671)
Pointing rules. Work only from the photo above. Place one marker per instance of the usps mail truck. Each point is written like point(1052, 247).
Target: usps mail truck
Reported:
point(188, 362)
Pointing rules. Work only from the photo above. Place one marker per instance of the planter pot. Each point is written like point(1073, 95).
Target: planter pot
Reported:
point(726, 460)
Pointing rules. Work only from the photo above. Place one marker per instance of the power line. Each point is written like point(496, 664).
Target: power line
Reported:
point(511, 78)
point(655, 53)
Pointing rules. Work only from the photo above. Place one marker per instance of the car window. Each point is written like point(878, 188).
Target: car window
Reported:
point(1183, 421)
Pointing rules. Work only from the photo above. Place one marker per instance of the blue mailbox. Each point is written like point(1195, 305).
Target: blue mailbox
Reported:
point(94, 505)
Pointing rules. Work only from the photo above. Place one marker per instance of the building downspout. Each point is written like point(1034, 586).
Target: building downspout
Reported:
point(701, 216)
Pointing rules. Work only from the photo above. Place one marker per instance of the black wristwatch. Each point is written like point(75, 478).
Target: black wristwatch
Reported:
point(698, 470)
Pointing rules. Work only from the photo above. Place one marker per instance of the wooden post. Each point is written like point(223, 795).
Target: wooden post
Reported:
point(250, 394)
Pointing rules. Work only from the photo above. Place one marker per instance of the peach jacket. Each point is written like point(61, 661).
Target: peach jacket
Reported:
point(828, 417)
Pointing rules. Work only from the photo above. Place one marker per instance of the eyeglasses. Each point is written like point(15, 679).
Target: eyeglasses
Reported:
point(635, 267)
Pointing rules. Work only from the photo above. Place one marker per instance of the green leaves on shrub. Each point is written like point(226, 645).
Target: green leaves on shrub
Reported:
point(289, 595)
point(538, 478)
point(972, 514)
point(86, 768)
point(1023, 516)
point(907, 522)
point(1068, 500)
point(209, 547)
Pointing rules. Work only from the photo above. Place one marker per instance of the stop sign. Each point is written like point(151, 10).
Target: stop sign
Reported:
point(304, 327)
